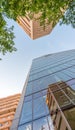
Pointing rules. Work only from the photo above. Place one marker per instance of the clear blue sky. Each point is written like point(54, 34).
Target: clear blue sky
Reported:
point(15, 66)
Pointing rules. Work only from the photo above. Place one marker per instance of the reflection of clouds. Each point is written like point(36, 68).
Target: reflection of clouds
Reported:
point(25, 127)
point(44, 97)
point(51, 123)
point(28, 127)
point(41, 124)
point(44, 125)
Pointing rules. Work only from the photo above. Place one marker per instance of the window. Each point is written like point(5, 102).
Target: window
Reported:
point(29, 89)
point(63, 76)
point(28, 98)
point(71, 83)
point(37, 95)
point(26, 115)
point(45, 105)
point(50, 123)
point(44, 92)
point(25, 127)
point(39, 109)
point(41, 124)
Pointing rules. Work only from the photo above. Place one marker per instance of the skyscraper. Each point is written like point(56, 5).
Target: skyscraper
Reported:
point(32, 112)
point(8, 107)
point(33, 28)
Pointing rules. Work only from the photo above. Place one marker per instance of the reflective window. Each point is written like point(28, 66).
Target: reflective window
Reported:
point(25, 127)
point(46, 71)
point(41, 124)
point(37, 95)
point(50, 123)
point(71, 83)
point(43, 83)
point(70, 93)
point(73, 86)
point(29, 89)
point(61, 98)
point(44, 92)
point(73, 69)
point(69, 73)
point(27, 98)
point(63, 76)
point(46, 106)
point(26, 112)
point(39, 108)
point(70, 116)
point(36, 86)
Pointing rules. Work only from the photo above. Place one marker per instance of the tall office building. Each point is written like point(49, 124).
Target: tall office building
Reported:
point(8, 107)
point(33, 28)
point(32, 112)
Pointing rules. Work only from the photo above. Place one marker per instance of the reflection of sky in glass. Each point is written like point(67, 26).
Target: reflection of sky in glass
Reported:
point(37, 95)
point(26, 112)
point(41, 124)
point(73, 86)
point(28, 127)
point(50, 123)
point(39, 108)
point(46, 71)
point(25, 127)
point(71, 83)
point(57, 78)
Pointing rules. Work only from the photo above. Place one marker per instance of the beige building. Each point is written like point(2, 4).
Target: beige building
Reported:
point(61, 103)
point(8, 107)
point(33, 28)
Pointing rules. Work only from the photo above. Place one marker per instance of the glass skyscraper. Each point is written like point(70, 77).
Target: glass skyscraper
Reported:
point(32, 112)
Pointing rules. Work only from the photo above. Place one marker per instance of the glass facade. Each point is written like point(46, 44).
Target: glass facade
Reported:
point(61, 103)
point(44, 71)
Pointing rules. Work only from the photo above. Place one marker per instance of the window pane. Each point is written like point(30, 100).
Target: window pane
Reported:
point(28, 89)
point(41, 124)
point(37, 95)
point(39, 108)
point(73, 86)
point(25, 127)
point(28, 98)
point(50, 123)
point(26, 112)
point(71, 83)
point(62, 76)
point(44, 92)
point(46, 106)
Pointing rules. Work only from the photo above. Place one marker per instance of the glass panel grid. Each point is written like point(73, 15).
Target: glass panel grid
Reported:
point(47, 70)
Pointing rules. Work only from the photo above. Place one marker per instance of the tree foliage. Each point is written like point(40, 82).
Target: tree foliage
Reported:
point(6, 35)
point(69, 17)
point(52, 10)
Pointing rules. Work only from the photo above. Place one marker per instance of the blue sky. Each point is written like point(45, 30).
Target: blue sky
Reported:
point(15, 66)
